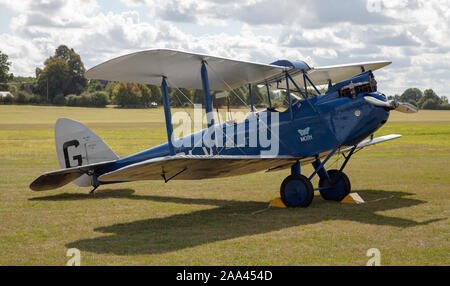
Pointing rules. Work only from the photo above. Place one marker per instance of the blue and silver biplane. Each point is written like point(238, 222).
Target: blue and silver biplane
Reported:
point(310, 131)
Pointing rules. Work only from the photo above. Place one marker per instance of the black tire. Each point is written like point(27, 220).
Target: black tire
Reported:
point(341, 186)
point(297, 191)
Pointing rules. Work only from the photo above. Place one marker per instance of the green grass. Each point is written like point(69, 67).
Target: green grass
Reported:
point(405, 182)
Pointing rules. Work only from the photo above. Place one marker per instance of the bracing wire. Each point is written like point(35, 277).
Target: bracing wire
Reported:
point(181, 92)
point(180, 100)
point(193, 105)
point(229, 87)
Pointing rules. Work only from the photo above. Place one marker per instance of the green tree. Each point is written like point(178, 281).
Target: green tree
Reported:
point(156, 95)
point(53, 79)
point(59, 99)
point(126, 94)
point(146, 95)
point(198, 97)
point(413, 102)
point(76, 69)
point(7, 99)
point(430, 104)
point(444, 106)
point(259, 99)
point(4, 71)
point(131, 94)
point(428, 97)
point(99, 99)
point(21, 97)
point(236, 97)
point(110, 89)
point(94, 85)
point(395, 97)
point(179, 97)
point(63, 74)
point(13, 89)
point(411, 94)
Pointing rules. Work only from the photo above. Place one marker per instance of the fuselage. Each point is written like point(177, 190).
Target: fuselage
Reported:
point(308, 128)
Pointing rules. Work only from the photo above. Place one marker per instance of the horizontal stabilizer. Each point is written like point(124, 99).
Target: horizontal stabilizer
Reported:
point(59, 178)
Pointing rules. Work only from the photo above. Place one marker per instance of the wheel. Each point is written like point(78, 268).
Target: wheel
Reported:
point(297, 191)
point(340, 186)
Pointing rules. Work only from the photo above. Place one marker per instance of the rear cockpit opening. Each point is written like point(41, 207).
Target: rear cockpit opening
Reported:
point(280, 101)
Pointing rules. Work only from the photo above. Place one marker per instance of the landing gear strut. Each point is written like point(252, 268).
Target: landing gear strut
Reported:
point(335, 187)
point(297, 190)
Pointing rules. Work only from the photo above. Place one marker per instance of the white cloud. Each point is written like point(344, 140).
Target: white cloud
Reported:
point(136, 3)
point(414, 34)
point(22, 53)
point(325, 53)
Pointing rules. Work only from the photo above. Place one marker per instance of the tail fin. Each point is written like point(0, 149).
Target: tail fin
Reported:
point(77, 145)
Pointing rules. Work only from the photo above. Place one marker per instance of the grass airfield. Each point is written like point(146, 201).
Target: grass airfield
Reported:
point(405, 183)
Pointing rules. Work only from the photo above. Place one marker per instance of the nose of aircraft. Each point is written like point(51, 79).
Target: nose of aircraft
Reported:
point(391, 104)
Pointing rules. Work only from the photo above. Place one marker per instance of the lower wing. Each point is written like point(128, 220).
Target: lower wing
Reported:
point(194, 167)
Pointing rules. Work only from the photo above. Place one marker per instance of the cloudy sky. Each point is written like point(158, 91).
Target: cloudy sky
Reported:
point(414, 34)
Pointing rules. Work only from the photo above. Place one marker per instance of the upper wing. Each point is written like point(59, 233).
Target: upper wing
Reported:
point(181, 69)
point(336, 73)
point(59, 178)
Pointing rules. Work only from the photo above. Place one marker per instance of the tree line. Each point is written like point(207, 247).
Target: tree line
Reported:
point(427, 99)
point(62, 81)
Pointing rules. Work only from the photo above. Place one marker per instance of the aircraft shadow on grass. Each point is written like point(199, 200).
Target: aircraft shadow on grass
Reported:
point(231, 219)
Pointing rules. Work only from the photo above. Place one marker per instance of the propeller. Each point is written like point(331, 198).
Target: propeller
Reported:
point(392, 104)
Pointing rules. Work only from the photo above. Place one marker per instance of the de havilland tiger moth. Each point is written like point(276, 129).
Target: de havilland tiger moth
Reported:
point(315, 126)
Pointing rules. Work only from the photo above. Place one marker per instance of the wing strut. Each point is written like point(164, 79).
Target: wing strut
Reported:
point(207, 95)
point(268, 95)
point(168, 115)
point(289, 96)
point(250, 96)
